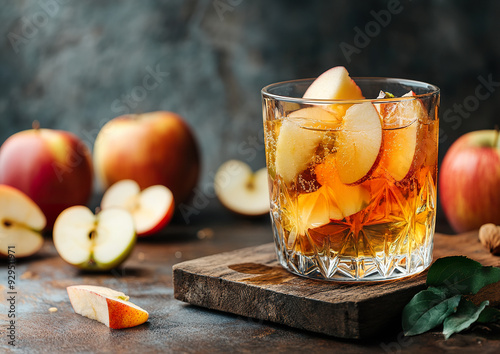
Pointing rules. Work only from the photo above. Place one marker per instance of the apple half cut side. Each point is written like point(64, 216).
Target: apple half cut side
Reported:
point(241, 190)
point(401, 123)
point(21, 223)
point(106, 305)
point(94, 242)
point(152, 208)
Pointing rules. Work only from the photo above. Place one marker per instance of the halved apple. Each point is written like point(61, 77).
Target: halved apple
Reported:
point(334, 84)
point(359, 143)
point(94, 242)
point(21, 223)
point(242, 191)
point(106, 306)
point(300, 134)
point(151, 208)
point(401, 123)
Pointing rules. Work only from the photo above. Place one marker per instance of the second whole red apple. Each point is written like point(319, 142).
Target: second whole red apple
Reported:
point(151, 148)
point(469, 181)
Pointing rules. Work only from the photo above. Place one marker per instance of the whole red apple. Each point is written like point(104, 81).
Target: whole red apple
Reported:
point(469, 181)
point(151, 148)
point(52, 167)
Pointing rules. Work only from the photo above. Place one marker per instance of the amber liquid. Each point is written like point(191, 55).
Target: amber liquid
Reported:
point(384, 219)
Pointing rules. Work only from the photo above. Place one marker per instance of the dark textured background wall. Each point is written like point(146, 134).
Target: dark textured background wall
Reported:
point(76, 64)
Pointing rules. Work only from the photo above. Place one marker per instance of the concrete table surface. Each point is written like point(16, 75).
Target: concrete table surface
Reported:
point(174, 326)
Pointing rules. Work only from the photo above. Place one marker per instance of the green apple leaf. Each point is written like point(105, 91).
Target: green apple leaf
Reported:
point(467, 313)
point(461, 275)
point(428, 309)
point(488, 315)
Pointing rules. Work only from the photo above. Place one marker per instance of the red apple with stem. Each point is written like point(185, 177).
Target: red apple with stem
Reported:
point(469, 181)
point(156, 148)
point(52, 167)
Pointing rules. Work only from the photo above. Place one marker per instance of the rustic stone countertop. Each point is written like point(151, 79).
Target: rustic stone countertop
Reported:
point(175, 326)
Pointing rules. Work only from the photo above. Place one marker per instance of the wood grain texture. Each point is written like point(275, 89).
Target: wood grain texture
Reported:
point(250, 282)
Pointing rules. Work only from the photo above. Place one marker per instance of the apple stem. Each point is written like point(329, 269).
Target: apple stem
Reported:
point(97, 210)
point(495, 140)
point(35, 125)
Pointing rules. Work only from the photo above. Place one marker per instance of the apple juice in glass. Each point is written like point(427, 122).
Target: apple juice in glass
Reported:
point(352, 167)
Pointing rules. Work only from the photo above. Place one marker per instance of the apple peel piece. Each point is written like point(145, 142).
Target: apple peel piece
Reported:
point(359, 143)
point(107, 306)
point(152, 208)
point(94, 242)
point(242, 191)
point(21, 223)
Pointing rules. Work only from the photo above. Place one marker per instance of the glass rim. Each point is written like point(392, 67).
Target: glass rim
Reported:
point(433, 90)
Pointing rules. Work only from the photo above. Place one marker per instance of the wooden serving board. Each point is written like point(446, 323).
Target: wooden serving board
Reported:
point(250, 282)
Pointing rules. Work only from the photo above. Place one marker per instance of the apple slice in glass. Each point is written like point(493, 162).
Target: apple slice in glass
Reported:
point(359, 143)
point(106, 306)
point(241, 190)
point(94, 242)
point(334, 84)
point(21, 223)
point(401, 122)
point(300, 134)
point(349, 199)
point(151, 208)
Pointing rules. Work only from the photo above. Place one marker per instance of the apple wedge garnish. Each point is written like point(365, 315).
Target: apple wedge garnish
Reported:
point(21, 223)
point(94, 242)
point(241, 190)
point(106, 306)
point(334, 84)
point(300, 134)
point(401, 122)
point(359, 143)
point(151, 208)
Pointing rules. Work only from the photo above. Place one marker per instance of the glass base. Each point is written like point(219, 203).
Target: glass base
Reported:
point(349, 269)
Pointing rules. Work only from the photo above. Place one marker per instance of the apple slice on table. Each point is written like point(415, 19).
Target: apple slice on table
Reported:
point(151, 209)
point(334, 84)
point(400, 135)
point(21, 223)
point(242, 191)
point(300, 134)
point(106, 306)
point(94, 242)
point(359, 143)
